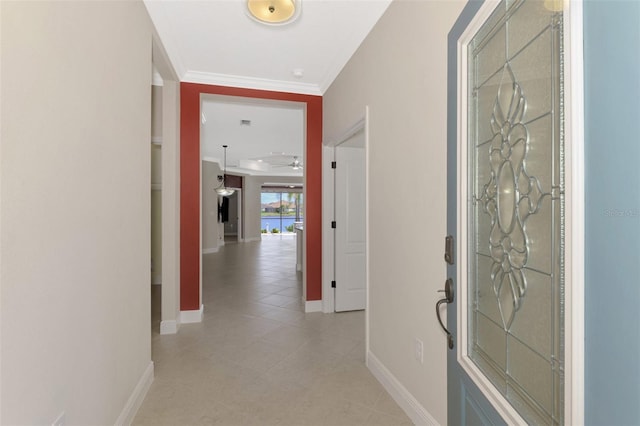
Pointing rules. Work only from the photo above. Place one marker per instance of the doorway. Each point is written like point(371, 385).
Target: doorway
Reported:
point(244, 123)
point(350, 237)
point(233, 226)
point(190, 262)
point(156, 207)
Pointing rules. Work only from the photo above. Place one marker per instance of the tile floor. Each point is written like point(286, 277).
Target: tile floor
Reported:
point(257, 358)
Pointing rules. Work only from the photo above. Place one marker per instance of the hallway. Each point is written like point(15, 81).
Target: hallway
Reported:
point(257, 358)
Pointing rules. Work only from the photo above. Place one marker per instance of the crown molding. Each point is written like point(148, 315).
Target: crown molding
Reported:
point(250, 83)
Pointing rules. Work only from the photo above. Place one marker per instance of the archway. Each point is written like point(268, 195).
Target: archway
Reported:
point(190, 259)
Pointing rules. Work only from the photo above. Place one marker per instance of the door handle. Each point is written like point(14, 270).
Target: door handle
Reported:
point(448, 298)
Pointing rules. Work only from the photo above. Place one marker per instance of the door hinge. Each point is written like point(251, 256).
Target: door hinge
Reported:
point(333, 164)
point(333, 224)
point(333, 284)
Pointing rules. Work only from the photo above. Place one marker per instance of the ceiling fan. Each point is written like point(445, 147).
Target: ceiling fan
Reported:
point(295, 164)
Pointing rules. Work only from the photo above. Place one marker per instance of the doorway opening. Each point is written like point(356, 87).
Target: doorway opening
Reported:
point(350, 236)
point(346, 233)
point(156, 207)
point(233, 225)
point(264, 147)
point(191, 96)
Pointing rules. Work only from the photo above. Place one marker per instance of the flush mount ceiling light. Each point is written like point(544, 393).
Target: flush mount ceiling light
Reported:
point(274, 12)
point(222, 189)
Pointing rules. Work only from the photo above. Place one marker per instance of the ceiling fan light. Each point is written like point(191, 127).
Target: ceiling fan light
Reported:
point(273, 12)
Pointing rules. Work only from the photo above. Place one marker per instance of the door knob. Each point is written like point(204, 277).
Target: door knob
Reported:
point(448, 298)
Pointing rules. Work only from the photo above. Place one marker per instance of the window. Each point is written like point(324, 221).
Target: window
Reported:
point(281, 209)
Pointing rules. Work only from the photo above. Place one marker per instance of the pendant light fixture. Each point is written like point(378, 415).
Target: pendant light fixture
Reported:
point(222, 189)
point(274, 12)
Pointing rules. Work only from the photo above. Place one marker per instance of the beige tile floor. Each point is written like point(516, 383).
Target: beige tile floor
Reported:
point(257, 358)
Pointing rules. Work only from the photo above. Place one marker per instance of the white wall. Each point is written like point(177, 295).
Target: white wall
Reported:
point(400, 72)
point(75, 228)
point(252, 206)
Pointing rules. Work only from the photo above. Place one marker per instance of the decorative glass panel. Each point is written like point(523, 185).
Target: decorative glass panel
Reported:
point(516, 222)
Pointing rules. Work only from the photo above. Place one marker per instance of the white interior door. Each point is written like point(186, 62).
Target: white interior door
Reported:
point(350, 232)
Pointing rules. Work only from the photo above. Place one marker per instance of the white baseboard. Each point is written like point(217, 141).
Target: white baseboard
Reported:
point(313, 306)
point(210, 250)
point(137, 396)
point(187, 317)
point(248, 240)
point(416, 412)
point(169, 327)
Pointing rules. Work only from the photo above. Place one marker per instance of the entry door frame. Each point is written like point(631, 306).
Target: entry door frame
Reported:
point(574, 213)
point(328, 212)
point(341, 212)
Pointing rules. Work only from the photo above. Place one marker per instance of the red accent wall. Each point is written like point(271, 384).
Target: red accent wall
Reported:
point(190, 93)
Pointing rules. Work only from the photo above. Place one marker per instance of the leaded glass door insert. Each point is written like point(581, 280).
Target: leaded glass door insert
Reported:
point(515, 207)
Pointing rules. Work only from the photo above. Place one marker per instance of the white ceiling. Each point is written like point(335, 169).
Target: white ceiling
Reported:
point(215, 42)
point(264, 147)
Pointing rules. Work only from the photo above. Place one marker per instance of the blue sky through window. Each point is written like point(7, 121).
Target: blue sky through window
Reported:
point(270, 197)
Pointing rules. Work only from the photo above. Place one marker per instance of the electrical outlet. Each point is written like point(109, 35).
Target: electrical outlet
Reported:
point(418, 350)
point(60, 421)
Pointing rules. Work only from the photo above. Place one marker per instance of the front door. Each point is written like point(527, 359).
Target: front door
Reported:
point(506, 205)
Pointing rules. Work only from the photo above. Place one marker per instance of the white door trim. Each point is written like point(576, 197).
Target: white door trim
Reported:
point(574, 213)
point(575, 206)
point(367, 179)
point(328, 210)
point(327, 232)
point(170, 141)
point(350, 255)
